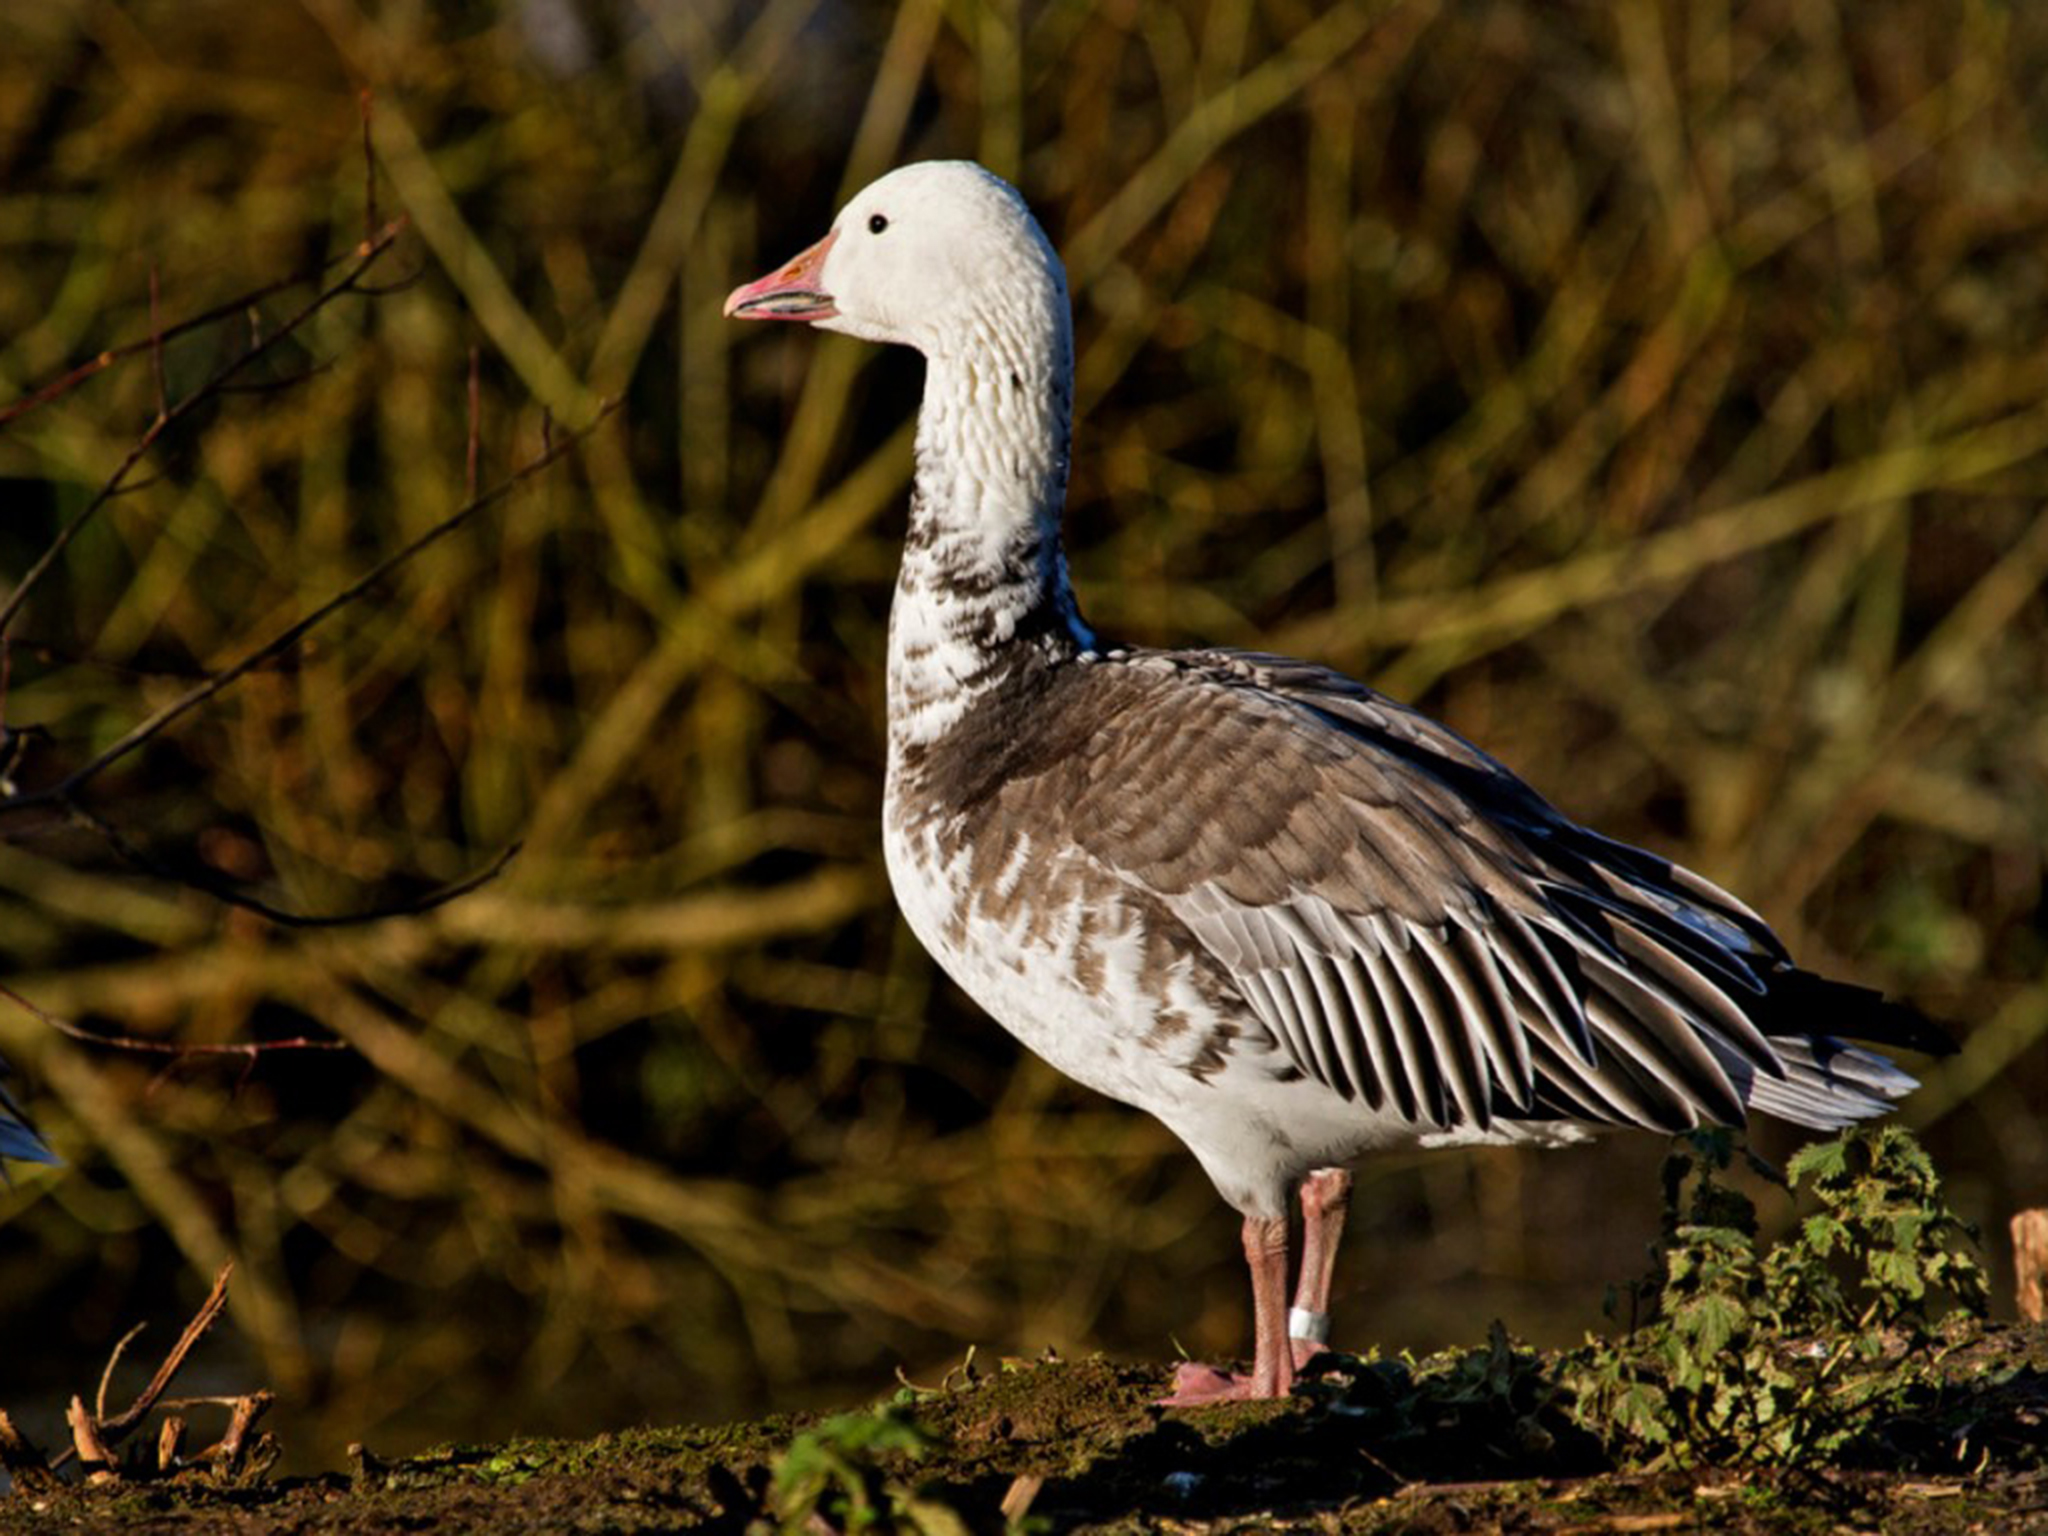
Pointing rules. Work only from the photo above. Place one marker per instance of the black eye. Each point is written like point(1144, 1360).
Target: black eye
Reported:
point(876, 224)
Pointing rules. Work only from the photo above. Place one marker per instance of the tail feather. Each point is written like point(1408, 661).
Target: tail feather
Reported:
point(1827, 1086)
point(1799, 1003)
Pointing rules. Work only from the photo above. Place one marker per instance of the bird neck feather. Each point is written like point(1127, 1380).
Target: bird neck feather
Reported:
point(983, 585)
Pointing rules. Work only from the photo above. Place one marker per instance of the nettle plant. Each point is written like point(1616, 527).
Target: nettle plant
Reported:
point(852, 1473)
point(1793, 1352)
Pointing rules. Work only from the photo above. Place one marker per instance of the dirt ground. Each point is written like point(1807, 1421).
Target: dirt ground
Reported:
point(1060, 1446)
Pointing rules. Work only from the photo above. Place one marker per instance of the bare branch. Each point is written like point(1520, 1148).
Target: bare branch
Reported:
point(114, 1430)
point(99, 1401)
point(282, 381)
point(396, 285)
point(247, 1049)
point(246, 303)
point(93, 1435)
point(240, 1456)
point(221, 890)
point(366, 256)
point(65, 789)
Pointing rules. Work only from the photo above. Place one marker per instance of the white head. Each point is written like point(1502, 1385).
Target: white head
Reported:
point(930, 256)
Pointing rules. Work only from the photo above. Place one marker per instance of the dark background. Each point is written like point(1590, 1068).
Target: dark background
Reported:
point(1658, 393)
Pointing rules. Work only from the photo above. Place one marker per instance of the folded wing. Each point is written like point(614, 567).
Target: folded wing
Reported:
point(1416, 929)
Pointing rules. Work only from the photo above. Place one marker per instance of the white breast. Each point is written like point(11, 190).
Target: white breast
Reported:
point(1068, 984)
point(1026, 969)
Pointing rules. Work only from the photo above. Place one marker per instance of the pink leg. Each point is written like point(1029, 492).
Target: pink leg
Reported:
point(1325, 1200)
point(1272, 1375)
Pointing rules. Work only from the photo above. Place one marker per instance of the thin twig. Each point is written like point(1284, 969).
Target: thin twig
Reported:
point(65, 789)
point(282, 381)
point(249, 1049)
point(367, 255)
point(99, 1401)
point(221, 890)
point(135, 487)
point(202, 1400)
point(113, 1430)
point(396, 285)
point(247, 302)
point(93, 1434)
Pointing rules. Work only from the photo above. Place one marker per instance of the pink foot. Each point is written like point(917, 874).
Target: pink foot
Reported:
point(1199, 1386)
point(1306, 1350)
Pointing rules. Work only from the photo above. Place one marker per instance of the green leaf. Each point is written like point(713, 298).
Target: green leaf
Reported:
point(1817, 1160)
point(1823, 1234)
point(1643, 1411)
point(1897, 1272)
point(1710, 1321)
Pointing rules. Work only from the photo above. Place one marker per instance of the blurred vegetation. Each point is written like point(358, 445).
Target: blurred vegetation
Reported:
point(1659, 393)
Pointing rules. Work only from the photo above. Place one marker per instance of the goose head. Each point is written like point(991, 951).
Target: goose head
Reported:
point(932, 256)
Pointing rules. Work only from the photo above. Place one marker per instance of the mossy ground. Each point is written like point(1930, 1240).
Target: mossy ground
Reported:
point(1107, 1458)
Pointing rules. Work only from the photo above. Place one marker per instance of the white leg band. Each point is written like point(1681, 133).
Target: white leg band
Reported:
point(1310, 1327)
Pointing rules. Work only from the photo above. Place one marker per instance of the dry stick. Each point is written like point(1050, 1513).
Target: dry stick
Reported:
point(250, 1049)
point(1017, 1502)
point(64, 790)
point(2030, 1263)
point(87, 1445)
point(23, 1461)
point(93, 1436)
point(116, 1428)
point(168, 416)
point(249, 1407)
point(170, 1443)
point(99, 1402)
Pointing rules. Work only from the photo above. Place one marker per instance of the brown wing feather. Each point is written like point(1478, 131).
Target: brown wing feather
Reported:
point(1409, 922)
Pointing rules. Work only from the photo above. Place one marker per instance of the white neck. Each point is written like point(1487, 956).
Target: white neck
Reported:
point(983, 581)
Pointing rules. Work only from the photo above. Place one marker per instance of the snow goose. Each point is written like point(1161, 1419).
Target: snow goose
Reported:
point(1293, 919)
